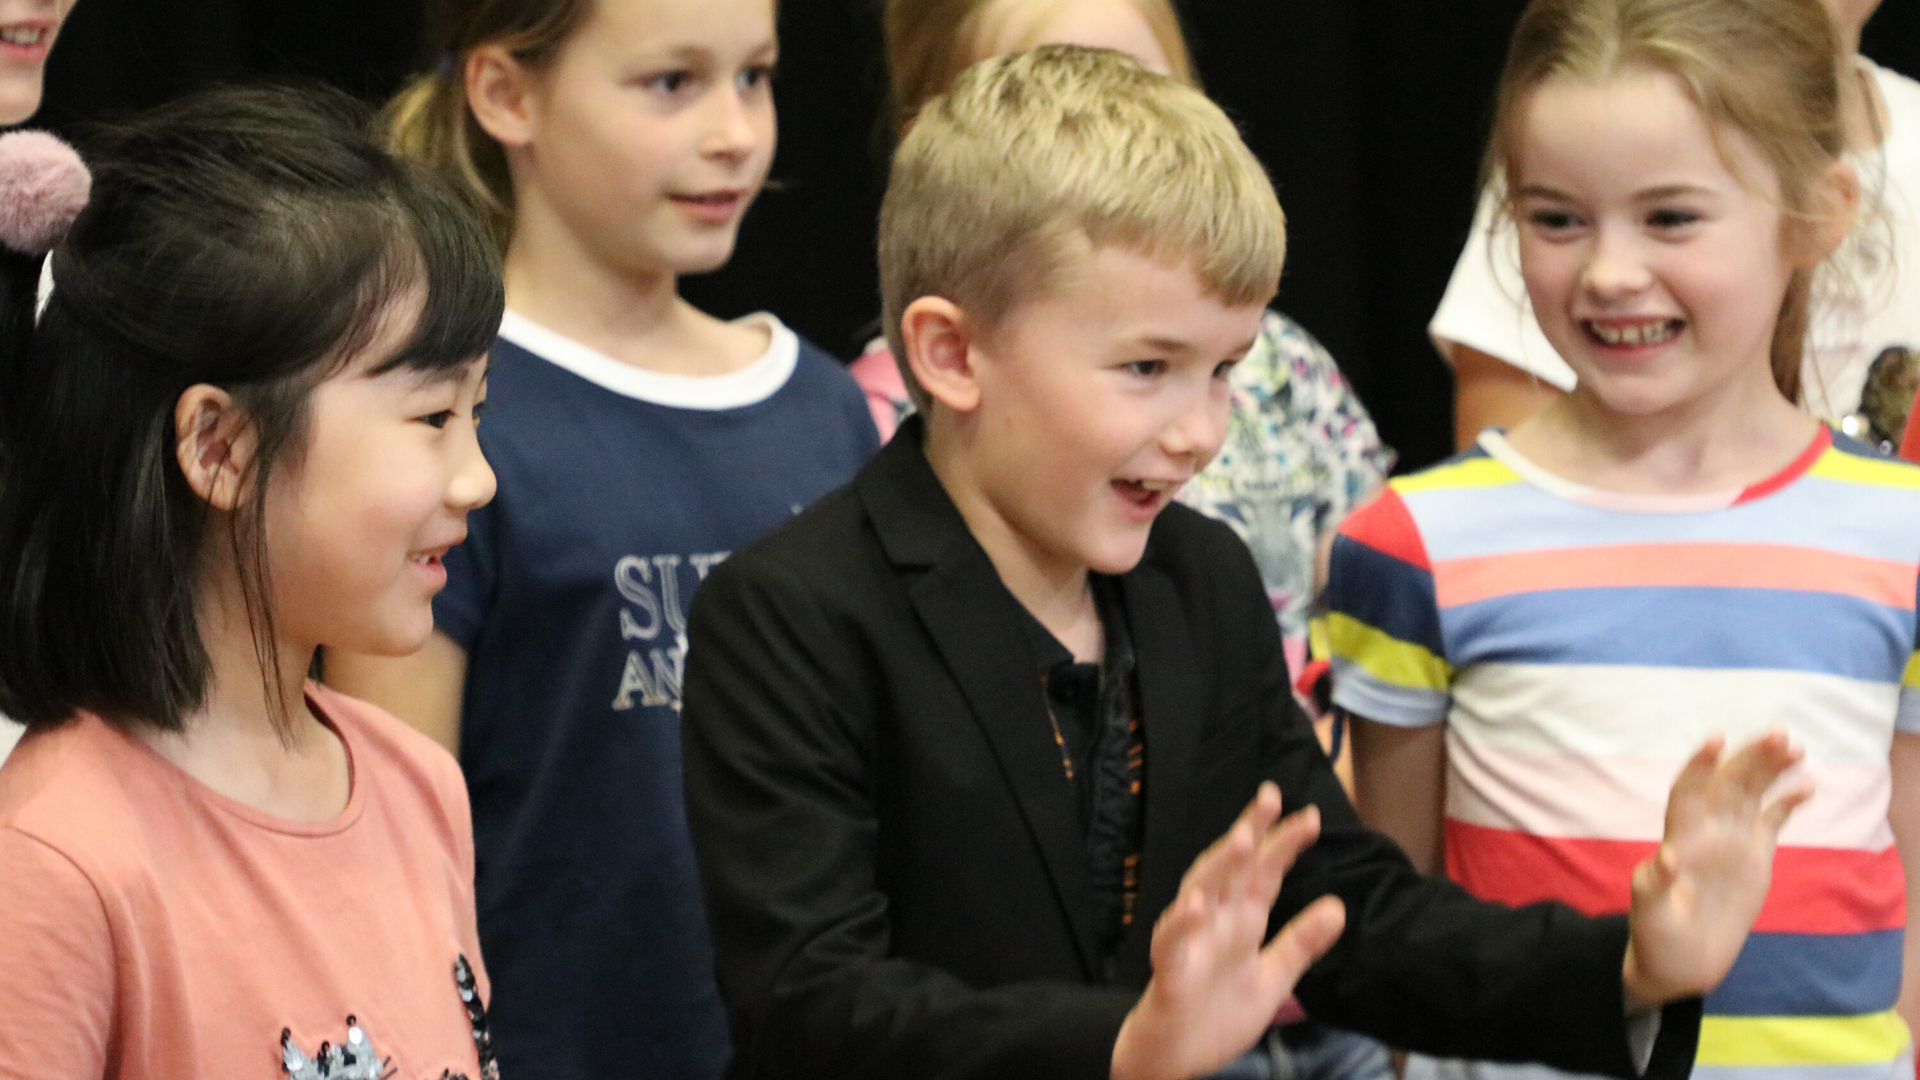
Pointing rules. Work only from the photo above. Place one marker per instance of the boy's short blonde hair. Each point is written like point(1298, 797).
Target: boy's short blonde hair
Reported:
point(1031, 151)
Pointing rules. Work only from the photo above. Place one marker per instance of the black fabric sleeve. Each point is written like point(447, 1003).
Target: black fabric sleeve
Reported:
point(778, 748)
point(1423, 965)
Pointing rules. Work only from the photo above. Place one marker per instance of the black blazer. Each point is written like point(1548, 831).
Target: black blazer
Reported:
point(895, 869)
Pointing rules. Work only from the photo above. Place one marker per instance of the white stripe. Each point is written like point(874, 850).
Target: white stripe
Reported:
point(1584, 710)
point(1468, 522)
point(754, 383)
point(1625, 798)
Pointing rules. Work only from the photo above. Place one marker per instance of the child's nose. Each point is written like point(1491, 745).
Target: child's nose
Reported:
point(1616, 267)
point(473, 482)
point(732, 133)
point(1197, 432)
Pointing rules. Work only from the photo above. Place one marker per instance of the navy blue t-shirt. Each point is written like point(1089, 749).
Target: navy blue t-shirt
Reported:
point(619, 490)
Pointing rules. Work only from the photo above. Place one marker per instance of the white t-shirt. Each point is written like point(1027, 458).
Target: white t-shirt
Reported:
point(1486, 306)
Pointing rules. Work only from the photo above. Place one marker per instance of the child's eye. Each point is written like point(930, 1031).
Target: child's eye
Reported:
point(669, 82)
point(1552, 220)
point(1671, 218)
point(1146, 369)
point(1225, 368)
point(439, 419)
point(755, 77)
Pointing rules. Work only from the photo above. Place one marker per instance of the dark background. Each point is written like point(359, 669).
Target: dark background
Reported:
point(1368, 113)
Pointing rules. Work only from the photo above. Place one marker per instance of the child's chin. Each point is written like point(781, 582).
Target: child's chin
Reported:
point(1117, 558)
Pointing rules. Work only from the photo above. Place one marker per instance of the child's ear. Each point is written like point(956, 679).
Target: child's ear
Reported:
point(214, 442)
point(1832, 204)
point(939, 343)
point(500, 93)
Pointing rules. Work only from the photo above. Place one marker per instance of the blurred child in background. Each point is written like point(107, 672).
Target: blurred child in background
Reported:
point(614, 145)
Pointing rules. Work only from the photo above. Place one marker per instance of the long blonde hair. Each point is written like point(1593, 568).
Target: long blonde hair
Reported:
point(1764, 68)
point(930, 42)
point(429, 120)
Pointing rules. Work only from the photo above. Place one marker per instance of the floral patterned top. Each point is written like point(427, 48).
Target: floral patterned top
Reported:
point(1301, 453)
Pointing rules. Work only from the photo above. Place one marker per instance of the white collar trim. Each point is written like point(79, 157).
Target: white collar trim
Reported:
point(750, 385)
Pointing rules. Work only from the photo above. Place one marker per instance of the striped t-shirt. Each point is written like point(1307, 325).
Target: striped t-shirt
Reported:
point(1581, 645)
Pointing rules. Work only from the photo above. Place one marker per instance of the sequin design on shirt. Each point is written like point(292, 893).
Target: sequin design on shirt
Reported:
point(357, 1058)
point(354, 1059)
point(476, 1019)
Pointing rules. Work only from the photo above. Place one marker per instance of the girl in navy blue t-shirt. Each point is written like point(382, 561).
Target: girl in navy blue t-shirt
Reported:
point(614, 145)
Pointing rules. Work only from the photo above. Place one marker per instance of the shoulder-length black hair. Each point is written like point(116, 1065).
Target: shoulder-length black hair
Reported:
point(247, 238)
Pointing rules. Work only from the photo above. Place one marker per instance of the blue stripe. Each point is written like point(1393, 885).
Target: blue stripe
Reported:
point(1852, 519)
point(1908, 718)
point(1685, 627)
point(1391, 595)
point(1357, 691)
point(1812, 975)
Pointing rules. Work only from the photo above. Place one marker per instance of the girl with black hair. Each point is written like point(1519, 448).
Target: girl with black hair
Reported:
point(241, 429)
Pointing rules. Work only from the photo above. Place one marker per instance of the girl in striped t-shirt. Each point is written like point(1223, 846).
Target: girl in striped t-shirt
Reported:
point(1537, 633)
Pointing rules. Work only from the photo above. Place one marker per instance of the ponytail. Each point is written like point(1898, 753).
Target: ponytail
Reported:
point(43, 187)
point(429, 122)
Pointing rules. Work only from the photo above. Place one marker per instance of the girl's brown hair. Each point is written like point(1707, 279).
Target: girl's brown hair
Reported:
point(430, 122)
point(1767, 69)
point(930, 42)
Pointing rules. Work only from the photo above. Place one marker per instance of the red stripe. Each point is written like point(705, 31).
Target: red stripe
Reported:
point(1386, 526)
point(1815, 890)
point(1821, 440)
point(1683, 565)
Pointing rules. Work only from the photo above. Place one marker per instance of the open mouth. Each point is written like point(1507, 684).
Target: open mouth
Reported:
point(713, 205)
point(1147, 496)
point(428, 559)
point(1637, 334)
point(25, 37)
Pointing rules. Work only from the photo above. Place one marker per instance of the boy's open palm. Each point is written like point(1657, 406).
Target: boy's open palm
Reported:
point(1696, 899)
point(1215, 988)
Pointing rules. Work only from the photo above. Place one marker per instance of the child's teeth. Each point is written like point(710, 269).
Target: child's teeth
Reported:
point(21, 35)
point(1647, 333)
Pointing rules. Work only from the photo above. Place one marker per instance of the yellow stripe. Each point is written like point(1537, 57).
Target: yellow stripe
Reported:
point(1318, 647)
point(1880, 472)
point(1802, 1040)
point(1473, 472)
point(1385, 657)
point(1912, 677)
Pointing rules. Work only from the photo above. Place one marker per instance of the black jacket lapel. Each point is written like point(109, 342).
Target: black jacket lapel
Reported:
point(1171, 699)
point(976, 626)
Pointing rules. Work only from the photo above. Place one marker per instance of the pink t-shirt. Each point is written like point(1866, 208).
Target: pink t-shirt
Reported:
point(153, 929)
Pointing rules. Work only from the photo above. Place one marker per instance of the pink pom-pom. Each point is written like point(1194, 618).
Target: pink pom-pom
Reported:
point(43, 187)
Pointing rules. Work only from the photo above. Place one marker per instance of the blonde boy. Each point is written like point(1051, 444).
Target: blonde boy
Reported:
point(971, 743)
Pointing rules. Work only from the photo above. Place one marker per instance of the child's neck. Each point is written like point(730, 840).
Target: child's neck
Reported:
point(635, 316)
point(231, 742)
point(1057, 593)
point(1702, 448)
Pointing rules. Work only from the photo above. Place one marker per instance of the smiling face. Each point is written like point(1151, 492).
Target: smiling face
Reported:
point(27, 31)
point(652, 130)
point(358, 522)
point(1096, 402)
point(1655, 268)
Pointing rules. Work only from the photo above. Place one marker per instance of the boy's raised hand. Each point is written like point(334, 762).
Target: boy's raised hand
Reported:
point(1696, 899)
point(1215, 988)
